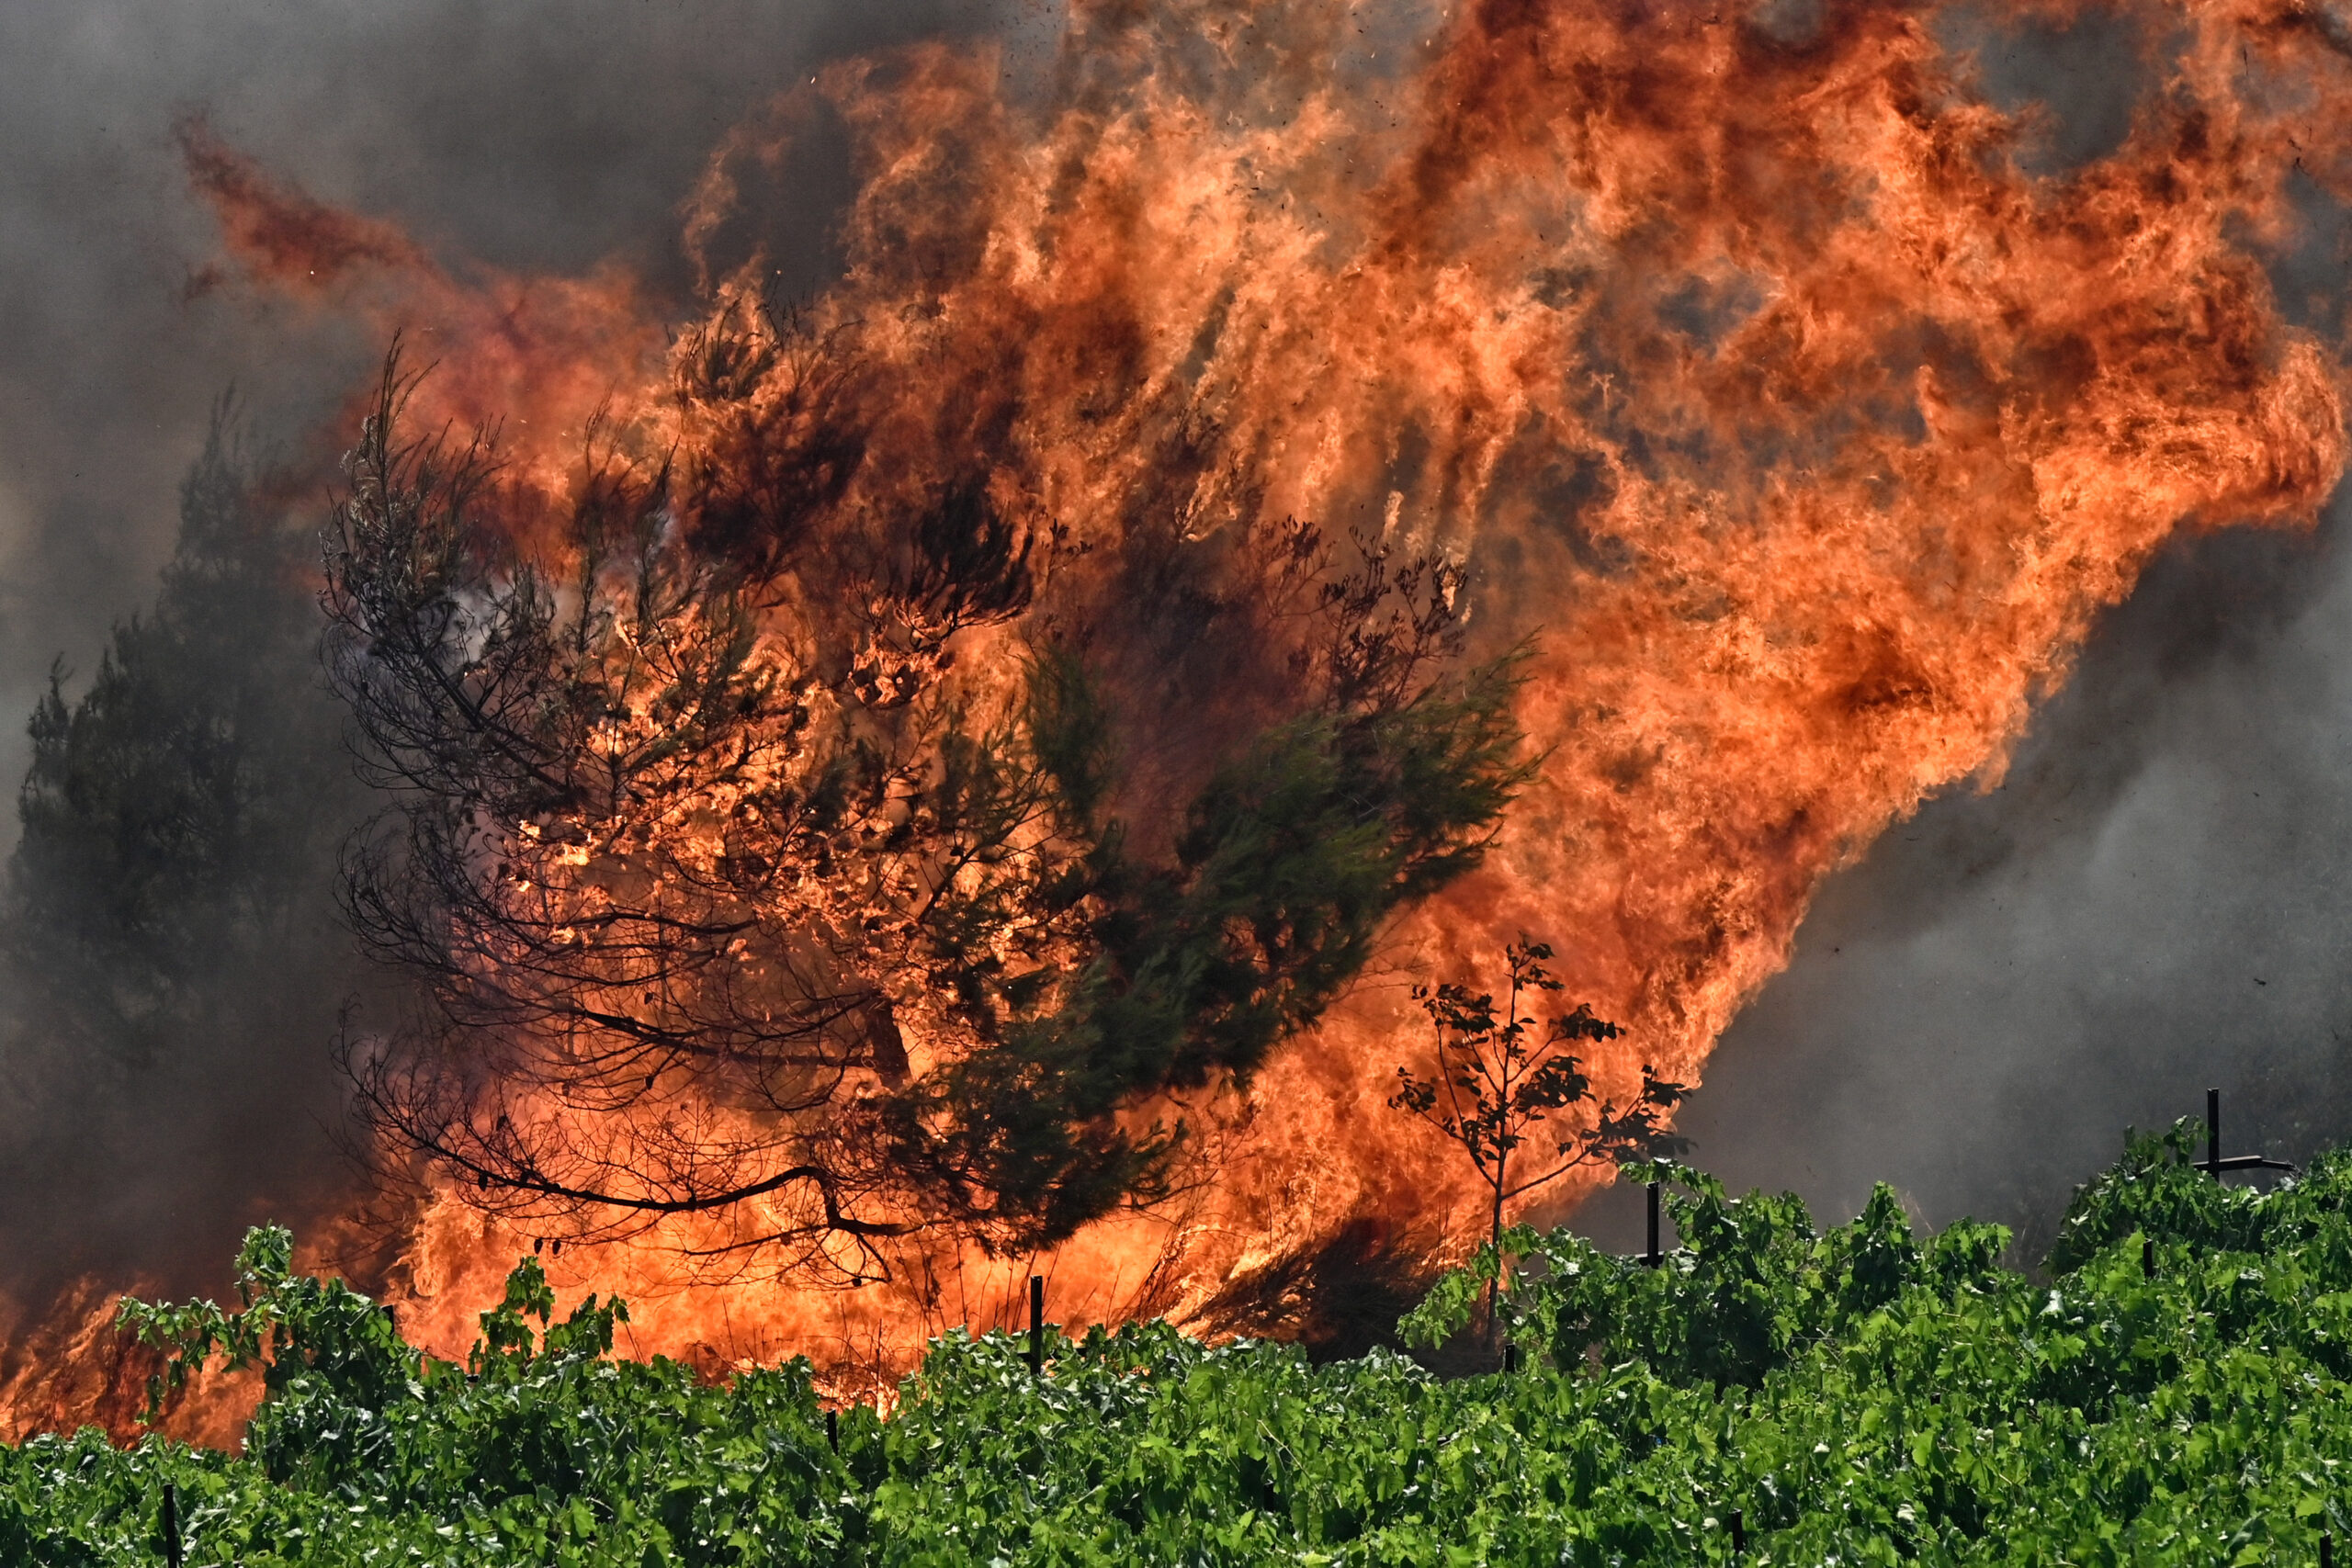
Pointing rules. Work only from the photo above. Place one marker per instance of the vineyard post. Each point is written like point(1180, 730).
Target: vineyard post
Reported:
point(2327, 1549)
point(834, 1429)
point(2213, 1164)
point(1738, 1534)
point(1654, 1257)
point(171, 1525)
point(1037, 1326)
point(2147, 1257)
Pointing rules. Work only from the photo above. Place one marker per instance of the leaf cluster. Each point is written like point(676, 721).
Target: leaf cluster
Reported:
point(540, 1447)
point(1751, 1288)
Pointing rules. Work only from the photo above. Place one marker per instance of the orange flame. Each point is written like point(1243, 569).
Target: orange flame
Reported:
point(1753, 372)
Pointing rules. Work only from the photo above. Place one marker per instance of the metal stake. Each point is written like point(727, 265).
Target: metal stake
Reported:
point(1738, 1534)
point(1654, 1257)
point(834, 1429)
point(1037, 1326)
point(2147, 1257)
point(2213, 1164)
point(2326, 1549)
point(171, 1525)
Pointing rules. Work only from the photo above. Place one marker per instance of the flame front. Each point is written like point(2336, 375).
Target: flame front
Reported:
point(1738, 356)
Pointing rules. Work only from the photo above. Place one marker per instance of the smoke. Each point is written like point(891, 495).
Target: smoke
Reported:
point(2155, 902)
point(540, 137)
point(535, 136)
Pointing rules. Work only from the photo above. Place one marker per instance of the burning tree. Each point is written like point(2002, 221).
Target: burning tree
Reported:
point(783, 865)
point(1501, 1077)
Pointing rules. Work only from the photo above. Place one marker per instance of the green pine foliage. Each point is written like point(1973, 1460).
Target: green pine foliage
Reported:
point(1860, 1394)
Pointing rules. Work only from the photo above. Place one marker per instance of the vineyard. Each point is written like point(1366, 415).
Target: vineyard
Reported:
point(2170, 1392)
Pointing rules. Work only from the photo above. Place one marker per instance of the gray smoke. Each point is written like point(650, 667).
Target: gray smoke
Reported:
point(2157, 901)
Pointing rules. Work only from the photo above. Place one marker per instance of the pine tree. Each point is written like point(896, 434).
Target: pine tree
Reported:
point(172, 956)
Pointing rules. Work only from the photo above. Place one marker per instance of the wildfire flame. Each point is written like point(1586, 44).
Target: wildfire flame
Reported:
point(1739, 353)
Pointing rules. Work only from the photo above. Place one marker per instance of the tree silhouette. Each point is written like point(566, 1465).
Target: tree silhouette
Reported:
point(170, 954)
point(1502, 1076)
